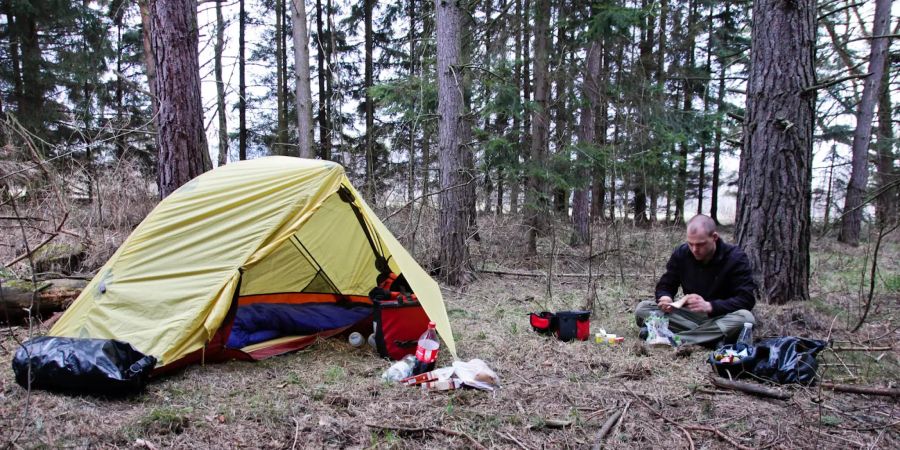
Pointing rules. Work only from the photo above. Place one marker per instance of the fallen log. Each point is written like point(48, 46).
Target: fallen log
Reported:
point(750, 388)
point(857, 389)
point(50, 296)
point(562, 275)
point(862, 349)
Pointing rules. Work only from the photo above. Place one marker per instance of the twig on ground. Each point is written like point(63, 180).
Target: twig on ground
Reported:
point(718, 433)
point(612, 422)
point(621, 419)
point(858, 389)
point(514, 440)
point(749, 388)
point(296, 432)
point(475, 443)
point(687, 434)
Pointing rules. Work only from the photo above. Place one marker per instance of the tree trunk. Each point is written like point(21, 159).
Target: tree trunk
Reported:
point(149, 60)
point(302, 80)
point(717, 136)
point(453, 134)
point(34, 87)
point(688, 87)
point(587, 128)
point(774, 187)
point(561, 119)
point(329, 80)
point(851, 220)
point(411, 139)
point(321, 115)
point(370, 110)
point(15, 61)
point(280, 145)
point(242, 85)
point(535, 203)
point(598, 190)
point(886, 201)
point(220, 87)
point(181, 138)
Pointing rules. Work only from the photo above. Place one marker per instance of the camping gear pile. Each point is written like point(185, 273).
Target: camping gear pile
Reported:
point(474, 373)
point(250, 260)
point(782, 360)
point(565, 325)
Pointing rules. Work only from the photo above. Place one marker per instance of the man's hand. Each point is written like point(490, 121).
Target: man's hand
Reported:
point(665, 304)
point(696, 303)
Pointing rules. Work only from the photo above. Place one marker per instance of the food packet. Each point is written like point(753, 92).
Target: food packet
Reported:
point(658, 332)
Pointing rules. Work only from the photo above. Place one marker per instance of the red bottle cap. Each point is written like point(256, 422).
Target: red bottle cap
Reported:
point(431, 325)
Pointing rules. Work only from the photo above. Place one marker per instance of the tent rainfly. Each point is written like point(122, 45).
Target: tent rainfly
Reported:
point(249, 260)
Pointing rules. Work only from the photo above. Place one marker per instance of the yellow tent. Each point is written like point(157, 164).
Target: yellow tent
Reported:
point(275, 230)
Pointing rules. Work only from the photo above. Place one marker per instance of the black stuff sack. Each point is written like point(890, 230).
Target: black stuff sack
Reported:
point(98, 366)
point(788, 360)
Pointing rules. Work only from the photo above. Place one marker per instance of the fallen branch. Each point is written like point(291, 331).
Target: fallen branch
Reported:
point(514, 440)
point(750, 388)
point(862, 349)
point(687, 433)
point(402, 429)
point(561, 275)
point(718, 433)
point(608, 425)
point(857, 389)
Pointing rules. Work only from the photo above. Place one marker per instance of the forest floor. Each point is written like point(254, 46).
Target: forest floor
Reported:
point(553, 395)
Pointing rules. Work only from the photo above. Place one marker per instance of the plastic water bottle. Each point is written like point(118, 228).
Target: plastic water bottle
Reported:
point(356, 339)
point(427, 350)
point(745, 340)
point(400, 369)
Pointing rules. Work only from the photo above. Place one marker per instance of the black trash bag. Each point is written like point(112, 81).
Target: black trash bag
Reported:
point(788, 360)
point(100, 366)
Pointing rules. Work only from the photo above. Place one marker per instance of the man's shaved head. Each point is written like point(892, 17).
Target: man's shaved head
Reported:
point(701, 224)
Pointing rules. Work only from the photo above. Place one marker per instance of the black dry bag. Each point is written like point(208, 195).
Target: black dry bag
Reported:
point(101, 366)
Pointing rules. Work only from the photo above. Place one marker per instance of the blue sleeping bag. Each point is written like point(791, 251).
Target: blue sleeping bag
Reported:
point(261, 322)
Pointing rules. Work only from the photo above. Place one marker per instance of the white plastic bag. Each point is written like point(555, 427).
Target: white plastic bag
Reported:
point(475, 373)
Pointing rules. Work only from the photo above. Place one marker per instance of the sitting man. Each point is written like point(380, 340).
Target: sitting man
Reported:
point(718, 286)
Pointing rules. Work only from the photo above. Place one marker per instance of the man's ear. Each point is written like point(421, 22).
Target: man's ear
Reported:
point(715, 236)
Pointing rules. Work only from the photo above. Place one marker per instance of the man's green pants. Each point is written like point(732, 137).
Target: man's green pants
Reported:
point(697, 328)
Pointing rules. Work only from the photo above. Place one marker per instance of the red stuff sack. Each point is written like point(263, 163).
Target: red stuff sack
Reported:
point(543, 322)
point(399, 319)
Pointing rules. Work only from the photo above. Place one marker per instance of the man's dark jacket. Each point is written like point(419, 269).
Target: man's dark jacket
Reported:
point(726, 281)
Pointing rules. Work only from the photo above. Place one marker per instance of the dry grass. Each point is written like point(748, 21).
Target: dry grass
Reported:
point(554, 395)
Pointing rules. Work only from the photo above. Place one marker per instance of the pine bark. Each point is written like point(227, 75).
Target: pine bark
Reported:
point(587, 128)
point(370, 110)
point(149, 61)
point(279, 147)
point(302, 80)
point(774, 188)
point(322, 114)
point(535, 203)
point(242, 84)
point(887, 199)
point(180, 139)
point(453, 134)
point(220, 86)
point(851, 221)
point(411, 139)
